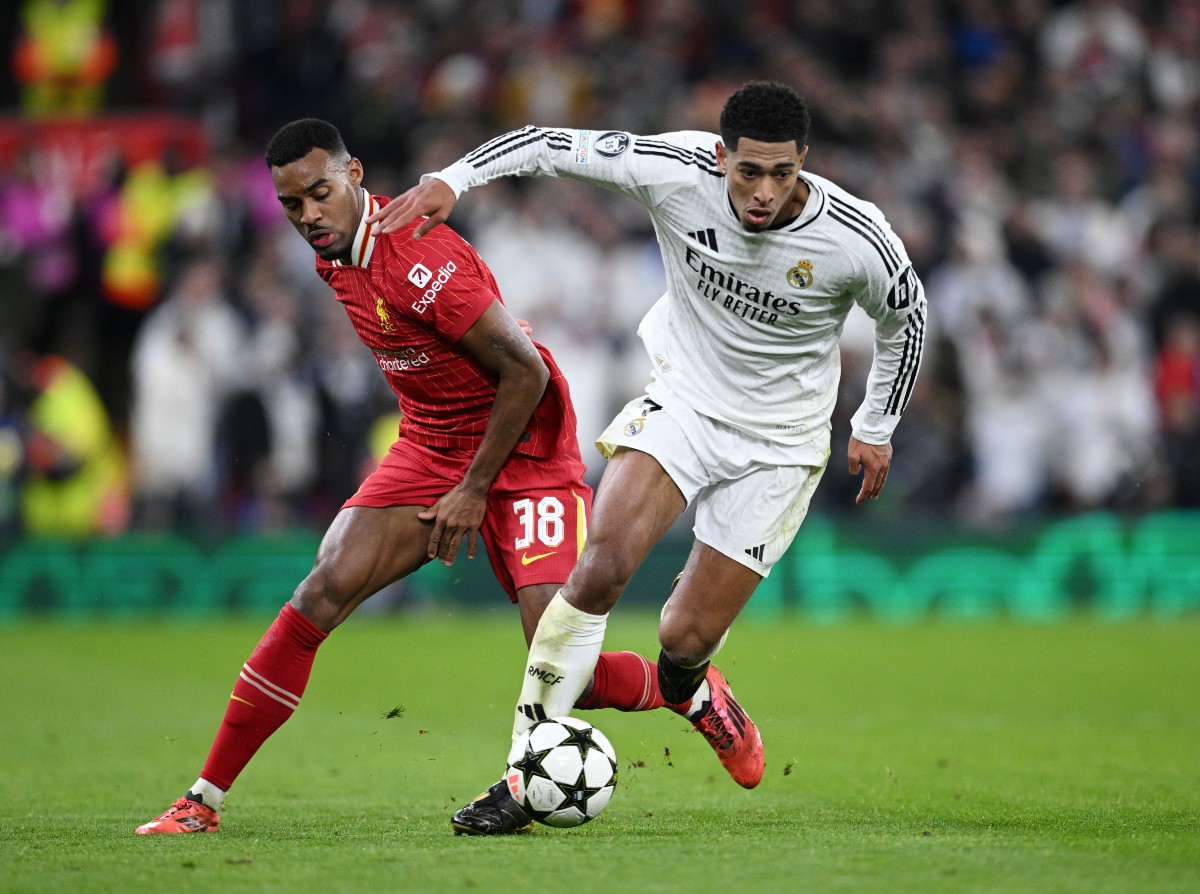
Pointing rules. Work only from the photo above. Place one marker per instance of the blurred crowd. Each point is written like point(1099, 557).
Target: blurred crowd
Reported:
point(170, 360)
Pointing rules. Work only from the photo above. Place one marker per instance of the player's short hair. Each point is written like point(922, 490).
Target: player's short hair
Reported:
point(295, 140)
point(766, 111)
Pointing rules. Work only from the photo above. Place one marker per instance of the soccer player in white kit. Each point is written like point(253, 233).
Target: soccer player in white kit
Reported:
point(763, 262)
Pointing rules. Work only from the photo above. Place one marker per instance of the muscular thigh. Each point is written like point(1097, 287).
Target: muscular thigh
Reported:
point(635, 505)
point(377, 538)
point(364, 550)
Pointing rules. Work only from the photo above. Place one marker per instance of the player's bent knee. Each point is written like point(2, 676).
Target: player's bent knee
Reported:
point(600, 578)
point(688, 645)
point(320, 599)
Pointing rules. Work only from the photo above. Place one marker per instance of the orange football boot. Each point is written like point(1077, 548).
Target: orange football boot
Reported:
point(185, 816)
point(730, 731)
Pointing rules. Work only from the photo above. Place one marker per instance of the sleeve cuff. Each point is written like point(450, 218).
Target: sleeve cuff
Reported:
point(871, 428)
point(453, 176)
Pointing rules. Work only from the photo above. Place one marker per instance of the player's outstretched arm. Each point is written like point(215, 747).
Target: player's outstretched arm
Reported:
point(873, 460)
point(432, 199)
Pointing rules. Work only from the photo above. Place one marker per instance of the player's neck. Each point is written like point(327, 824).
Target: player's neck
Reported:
point(795, 207)
point(360, 206)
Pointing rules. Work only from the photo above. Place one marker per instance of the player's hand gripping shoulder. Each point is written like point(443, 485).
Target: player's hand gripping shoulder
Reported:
point(433, 199)
point(456, 516)
point(873, 460)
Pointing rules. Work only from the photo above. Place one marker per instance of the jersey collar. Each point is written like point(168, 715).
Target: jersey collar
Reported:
point(364, 242)
point(812, 208)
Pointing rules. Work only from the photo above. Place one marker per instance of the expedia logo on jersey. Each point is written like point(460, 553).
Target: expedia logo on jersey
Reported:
point(801, 276)
point(434, 281)
point(737, 296)
point(400, 361)
point(419, 275)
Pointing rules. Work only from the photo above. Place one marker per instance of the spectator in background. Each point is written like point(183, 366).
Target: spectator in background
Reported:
point(64, 56)
point(1173, 64)
point(1177, 390)
point(1077, 223)
point(1068, 128)
point(1177, 367)
point(1094, 375)
point(12, 456)
point(142, 216)
point(1008, 421)
point(1173, 274)
point(279, 384)
point(186, 360)
point(38, 225)
point(75, 484)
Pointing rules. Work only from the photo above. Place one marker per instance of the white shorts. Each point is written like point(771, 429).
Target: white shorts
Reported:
point(750, 495)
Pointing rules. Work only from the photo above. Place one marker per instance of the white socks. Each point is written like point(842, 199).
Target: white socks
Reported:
point(562, 659)
point(703, 695)
point(208, 794)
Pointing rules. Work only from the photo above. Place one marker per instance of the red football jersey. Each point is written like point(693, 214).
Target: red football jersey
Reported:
point(410, 302)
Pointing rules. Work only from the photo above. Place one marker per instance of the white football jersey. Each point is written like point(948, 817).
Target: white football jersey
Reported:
point(747, 332)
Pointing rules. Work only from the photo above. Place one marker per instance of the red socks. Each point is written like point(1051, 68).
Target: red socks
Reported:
point(265, 695)
point(269, 687)
point(625, 681)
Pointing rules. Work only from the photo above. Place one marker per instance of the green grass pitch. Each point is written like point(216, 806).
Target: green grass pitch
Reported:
point(935, 757)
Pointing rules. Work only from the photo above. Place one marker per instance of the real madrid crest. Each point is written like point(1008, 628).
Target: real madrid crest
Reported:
point(635, 426)
point(801, 276)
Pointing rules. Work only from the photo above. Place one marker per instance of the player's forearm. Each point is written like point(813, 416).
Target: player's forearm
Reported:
point(518, 393)
point(522, 153)
point(547, 152)
point(891, 381)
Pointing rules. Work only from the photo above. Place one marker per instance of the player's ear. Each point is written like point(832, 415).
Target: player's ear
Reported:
point(722, 158)
point(354, 171)
point(803, 155)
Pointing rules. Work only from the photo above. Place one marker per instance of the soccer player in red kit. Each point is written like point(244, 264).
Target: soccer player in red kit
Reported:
point(487, 448)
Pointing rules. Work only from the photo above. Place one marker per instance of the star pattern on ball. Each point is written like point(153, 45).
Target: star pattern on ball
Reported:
point(580, 738)
point(581, 793)
point(530, 764)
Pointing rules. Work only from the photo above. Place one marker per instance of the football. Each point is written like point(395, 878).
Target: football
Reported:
point(562, 771)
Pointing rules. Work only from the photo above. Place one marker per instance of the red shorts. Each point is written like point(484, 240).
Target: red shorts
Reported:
point(536, 518)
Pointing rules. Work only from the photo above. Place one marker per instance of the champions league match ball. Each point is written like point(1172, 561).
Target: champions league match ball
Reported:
point(562, 772)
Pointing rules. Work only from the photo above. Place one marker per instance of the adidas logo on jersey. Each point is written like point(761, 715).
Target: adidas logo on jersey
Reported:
point(707, 238)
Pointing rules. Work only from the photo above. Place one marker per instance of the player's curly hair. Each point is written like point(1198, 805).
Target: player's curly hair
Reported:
point(295, 140)
point(766, 111)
